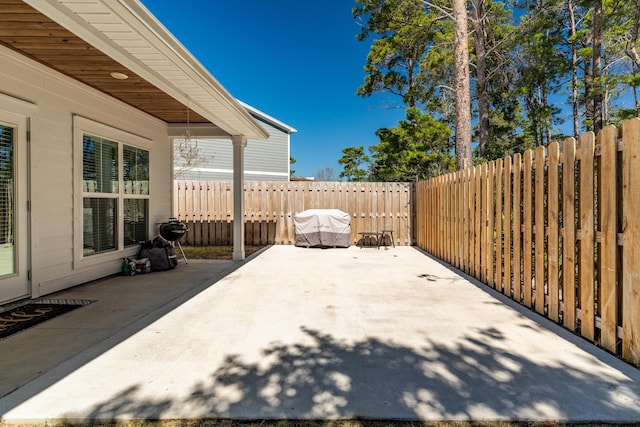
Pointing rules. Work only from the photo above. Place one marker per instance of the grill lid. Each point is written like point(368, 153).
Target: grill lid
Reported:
point(172, 230)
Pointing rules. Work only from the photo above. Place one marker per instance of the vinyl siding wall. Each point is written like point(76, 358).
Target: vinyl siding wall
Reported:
point(57, 99)
point(265, 160)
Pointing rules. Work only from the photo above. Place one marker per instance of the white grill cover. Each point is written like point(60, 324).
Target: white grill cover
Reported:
point(323, 227)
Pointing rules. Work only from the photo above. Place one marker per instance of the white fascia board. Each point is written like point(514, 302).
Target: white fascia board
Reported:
point(193, 85)
point(269, 119)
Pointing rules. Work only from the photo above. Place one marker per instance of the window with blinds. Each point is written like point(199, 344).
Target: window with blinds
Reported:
point(7, 205)
point(115, 182)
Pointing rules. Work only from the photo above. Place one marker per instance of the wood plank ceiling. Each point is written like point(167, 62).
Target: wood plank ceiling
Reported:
point(32, 34)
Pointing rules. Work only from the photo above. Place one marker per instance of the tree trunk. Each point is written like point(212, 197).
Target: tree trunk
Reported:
point(547, 117)
point(596, 68)
point(574, 70)
point(481, 73)
point(461, 84)
point(588, 84)
point(633, 50)
point(410, 96)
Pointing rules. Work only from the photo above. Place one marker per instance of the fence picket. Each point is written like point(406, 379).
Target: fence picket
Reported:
point(490, 194)
point(587, 240)
point(517, 227)
point(466, 218)
point(607, 218)
point(483, 223)
point(478, 220)
point(527, 266)
point(631, 239)
point(553, 307)
point(506, 283)
point(539, 250)
point(568, 233)
point(498, 226)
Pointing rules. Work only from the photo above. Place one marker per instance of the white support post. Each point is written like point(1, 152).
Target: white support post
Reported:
point(239, 143)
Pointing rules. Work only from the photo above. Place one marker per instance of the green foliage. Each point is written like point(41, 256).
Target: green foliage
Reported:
point(505, 137)
point(352, 159)
point(410, 57)
point(542, 63)
point(404, 30)
point(292, 160)
point(418, 148)
point(528, 78)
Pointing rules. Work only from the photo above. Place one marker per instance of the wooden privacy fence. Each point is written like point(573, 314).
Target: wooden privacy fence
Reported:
point(269, 207)
point(556, 229)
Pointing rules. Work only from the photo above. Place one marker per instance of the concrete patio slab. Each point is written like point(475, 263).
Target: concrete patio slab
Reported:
point(327, 334)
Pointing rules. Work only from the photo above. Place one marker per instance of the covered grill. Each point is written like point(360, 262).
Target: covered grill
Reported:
point(323, 228)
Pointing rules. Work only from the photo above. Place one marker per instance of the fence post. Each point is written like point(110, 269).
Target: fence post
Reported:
point(631, 233)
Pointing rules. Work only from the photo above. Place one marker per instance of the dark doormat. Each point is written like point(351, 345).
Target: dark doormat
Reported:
point(25, 316)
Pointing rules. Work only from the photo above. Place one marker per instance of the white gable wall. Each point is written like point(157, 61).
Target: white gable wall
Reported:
point(57, 99)
point(265, 160)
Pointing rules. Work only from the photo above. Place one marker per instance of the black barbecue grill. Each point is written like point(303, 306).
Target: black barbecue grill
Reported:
point(173, 230)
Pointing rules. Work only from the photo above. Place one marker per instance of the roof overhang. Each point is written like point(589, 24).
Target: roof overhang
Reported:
point(130, 38)
point(268, 119)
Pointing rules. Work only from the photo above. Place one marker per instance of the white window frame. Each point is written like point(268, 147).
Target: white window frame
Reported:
point(84, 126)
point(17, 113)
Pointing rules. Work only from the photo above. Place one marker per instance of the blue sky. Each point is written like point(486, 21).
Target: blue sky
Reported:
point(297, 61)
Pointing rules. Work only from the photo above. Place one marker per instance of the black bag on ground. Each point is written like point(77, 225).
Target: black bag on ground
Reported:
point(160, 253)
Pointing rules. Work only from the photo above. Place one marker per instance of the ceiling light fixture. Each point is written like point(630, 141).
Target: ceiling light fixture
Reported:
point(119, 76)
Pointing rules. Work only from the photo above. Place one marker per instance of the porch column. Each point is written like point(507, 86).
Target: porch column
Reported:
point(239, 143)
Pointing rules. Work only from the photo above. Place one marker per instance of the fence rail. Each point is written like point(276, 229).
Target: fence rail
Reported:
point(556, 229)
point(269, 207)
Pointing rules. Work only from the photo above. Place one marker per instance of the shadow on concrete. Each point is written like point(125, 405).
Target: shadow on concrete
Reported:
point(125, 305)
point(321, 376)
point(327, 378)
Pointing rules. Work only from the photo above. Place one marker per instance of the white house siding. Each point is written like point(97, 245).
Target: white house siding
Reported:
point(58, 98)
point(265, 160)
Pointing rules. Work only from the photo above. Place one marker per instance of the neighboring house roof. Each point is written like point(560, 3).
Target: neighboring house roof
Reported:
point(122, 36)
point(268, 119)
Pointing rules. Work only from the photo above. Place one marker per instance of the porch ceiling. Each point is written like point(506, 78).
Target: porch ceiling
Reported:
point(149, 59)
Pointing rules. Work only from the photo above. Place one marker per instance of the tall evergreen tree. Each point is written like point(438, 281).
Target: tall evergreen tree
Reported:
point(352, 160)
point(542, 66)
point(418, 148)
point(493, 75)
point(404, 33)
